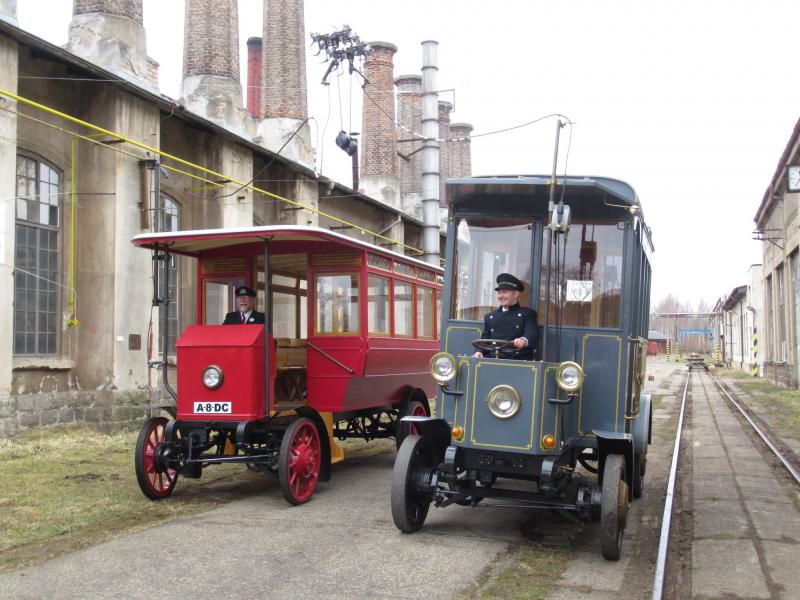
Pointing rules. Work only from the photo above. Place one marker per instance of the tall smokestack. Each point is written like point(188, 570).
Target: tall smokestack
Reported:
point(254, 73)
point(379, 172)
point(445, 171)
point(110, 33)
point(409, 142)
point(430, 152)
point(460, 150)
point(211, 86)
point(284, 99)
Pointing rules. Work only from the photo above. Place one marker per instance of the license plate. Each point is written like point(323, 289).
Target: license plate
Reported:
point(212, 408)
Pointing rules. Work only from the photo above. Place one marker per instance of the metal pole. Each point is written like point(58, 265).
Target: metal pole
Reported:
point(550, 207)
point(430, 153)
point(267, 321)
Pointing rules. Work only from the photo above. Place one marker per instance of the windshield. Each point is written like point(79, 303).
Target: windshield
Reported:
point(484, 249)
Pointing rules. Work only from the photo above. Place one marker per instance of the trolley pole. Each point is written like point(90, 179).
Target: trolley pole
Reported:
point(550, 207)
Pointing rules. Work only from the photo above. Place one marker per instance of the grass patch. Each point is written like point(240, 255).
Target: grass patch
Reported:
point(780, 403)
point(529, 573)
point(71, 487)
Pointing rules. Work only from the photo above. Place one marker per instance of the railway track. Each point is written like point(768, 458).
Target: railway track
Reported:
point(768, 445)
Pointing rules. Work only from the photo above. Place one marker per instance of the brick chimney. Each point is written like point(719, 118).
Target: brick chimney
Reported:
point(379, 168)
point(110, 33)
point(460, 150)
point(254, 73)
point(211, 86)
point(284, 98)
point(445, 171)
point(409, 108)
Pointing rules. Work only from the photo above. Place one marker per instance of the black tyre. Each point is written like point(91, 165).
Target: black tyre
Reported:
point(155, 481)
point(613, 507)
point(409, 505)
point(637, 485)
point(409, 408)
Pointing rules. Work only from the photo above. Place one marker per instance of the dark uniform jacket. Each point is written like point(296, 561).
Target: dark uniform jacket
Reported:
point(518, 321)
point(235, 318)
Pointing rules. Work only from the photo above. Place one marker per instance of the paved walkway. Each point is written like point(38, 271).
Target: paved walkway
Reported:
point(746, 524)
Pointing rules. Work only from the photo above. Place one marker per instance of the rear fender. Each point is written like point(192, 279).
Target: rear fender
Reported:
point(612, 442)
point(324, 440)
point(436, 431)
point(642, 424)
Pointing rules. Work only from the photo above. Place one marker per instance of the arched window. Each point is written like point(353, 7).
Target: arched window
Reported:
point(172, 222)
point(36, 258)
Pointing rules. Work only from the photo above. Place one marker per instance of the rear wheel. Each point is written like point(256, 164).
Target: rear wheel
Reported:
point(409, 505)
point(409, 408)
point(155, 480)
point(613, 507)
point(299, 461)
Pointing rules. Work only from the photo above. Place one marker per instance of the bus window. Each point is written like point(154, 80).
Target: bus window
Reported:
point(485, 248)
point(288, 306)
point(378, 305)
point(218, 300)
point(424, 312)
point(403, 308)
point(592, 276)
point(336, 309)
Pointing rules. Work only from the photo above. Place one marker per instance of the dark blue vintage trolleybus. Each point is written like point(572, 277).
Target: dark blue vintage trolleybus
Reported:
point(510, 431)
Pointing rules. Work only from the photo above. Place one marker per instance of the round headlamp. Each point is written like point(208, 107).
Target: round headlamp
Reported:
point(442, 366)
point(212, 377)
point(569, 376)
point(503, 401)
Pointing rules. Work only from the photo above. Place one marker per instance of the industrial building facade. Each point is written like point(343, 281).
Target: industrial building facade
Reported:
point(92, 154)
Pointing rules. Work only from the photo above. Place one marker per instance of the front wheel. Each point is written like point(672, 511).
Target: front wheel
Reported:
point(409, 505)
point(613, 507)
point(299, 461)
point(155, 480)
point(409, 408)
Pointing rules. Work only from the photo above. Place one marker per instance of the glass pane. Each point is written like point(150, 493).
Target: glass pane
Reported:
point(592, 292)
point(378, 305)
point(22, 210)
point(425, 275)
point(303, 316)
point(218, 301)
point(424, 312)
point(284, 281)
point(381, 262)
point(336, 307)
point(403, 269)
point(485, 248)
point(403, 308)
point(284, 315)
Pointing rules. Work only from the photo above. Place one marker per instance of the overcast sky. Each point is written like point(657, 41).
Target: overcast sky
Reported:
point(691, 102)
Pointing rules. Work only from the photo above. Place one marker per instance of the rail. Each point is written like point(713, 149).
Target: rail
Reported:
point(666, 520)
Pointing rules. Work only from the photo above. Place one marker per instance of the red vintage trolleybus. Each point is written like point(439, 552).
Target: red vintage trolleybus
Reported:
point(344, 354)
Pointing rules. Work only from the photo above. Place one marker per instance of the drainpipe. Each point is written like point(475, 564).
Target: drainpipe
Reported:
point(430, 153)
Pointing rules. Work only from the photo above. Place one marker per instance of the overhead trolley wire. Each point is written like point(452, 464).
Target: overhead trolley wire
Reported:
point(186, 163)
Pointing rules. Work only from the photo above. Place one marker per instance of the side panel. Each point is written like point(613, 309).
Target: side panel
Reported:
point(602, 398)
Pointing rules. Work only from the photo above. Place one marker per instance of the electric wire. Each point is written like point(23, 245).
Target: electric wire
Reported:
point(205, 170)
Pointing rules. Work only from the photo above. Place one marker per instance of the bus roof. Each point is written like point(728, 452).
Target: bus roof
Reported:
point(508, 183)
point(200, 241)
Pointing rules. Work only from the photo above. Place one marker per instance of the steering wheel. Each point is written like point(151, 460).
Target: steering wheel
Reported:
point(497, 347)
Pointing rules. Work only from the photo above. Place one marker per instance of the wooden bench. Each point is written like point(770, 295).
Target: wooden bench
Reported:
point(291, 360)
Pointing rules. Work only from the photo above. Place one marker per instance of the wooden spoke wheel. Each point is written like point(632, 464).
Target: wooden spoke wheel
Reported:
point(613, 507)
point(155, 480)
point(409, 408)
point(299, 461)
point(410, 505)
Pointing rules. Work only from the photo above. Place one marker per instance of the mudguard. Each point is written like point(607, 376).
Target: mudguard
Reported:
point(613, 442)
point(436, 431)
point(642, 425)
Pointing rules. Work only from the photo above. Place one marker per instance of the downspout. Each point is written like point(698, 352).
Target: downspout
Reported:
point(741, 337)
point(430, 153)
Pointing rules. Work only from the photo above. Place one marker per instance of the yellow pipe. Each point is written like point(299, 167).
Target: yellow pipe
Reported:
point(179, 160)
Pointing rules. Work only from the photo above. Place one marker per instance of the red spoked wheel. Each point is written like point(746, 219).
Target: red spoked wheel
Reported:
point(410, 408)
point(155, 480)
point(299, 461)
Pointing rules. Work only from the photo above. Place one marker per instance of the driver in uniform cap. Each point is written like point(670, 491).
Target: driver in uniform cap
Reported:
point(246, 313)
point(511, 321)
